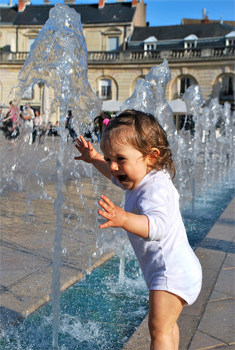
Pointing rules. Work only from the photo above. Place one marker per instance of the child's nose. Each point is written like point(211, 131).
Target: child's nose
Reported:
point(113, 166)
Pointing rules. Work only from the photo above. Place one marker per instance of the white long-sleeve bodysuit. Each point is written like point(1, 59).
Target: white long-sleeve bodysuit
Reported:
point(166, 258)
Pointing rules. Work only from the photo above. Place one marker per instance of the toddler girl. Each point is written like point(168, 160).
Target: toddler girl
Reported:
point(137, 158)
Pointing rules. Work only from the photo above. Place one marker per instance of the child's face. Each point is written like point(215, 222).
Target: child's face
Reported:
point(126, 164)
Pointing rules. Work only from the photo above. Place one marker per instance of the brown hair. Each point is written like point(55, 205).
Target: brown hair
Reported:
point(147, 134)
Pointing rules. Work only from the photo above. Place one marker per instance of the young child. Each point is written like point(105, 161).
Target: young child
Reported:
point(137, 158)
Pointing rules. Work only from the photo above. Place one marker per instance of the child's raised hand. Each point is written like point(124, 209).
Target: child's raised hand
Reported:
point(86, 149)
point(112, 213)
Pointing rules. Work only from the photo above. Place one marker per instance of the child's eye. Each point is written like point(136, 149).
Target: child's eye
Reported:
point(120, 159)
point(107, 160)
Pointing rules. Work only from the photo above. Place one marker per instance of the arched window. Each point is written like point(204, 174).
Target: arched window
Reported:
point(185, 83)
point(226, 89)
point(227, 86)
point(105, 89)
point(180, 85)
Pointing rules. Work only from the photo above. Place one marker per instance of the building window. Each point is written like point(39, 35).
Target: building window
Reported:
point(227, 89)
point(190, 41)
point(227, 85)
point(180, 85)
point(150, 43)
point(190, 45)
point(105, 89)
point(230, 38)
point(185, 83)
point(31, 41)
point(113, 43)
point(230, 42)
point(149, 47)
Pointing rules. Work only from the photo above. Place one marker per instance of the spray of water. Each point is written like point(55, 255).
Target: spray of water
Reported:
point(58, 59)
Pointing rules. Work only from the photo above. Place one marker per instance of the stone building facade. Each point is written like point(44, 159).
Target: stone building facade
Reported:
point(122, 48)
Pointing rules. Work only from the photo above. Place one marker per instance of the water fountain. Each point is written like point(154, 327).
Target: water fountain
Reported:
point(50, 202)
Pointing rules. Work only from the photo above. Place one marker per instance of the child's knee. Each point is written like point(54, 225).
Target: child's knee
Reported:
point(159, 329)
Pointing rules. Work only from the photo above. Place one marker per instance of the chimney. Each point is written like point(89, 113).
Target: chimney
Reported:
point(139, 19)
point(22, 4)
point(46, 2)
point(204, 13)
point(101, 4)
point(207, 19)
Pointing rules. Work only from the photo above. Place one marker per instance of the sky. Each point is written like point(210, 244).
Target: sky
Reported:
point(170, 12)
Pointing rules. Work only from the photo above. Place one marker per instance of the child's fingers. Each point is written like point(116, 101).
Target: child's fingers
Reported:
point(104, 205)
point(78, 147)
point(105, 215)
point(107, 200)
point(105, 225)
point(78, 141)
point(90, 147)
point(83, 141)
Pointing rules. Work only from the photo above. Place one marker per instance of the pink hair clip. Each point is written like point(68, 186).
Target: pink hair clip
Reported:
point(106, 121)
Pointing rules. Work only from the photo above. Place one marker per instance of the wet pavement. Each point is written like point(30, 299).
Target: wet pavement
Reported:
point(28, 228)
point(209, 322)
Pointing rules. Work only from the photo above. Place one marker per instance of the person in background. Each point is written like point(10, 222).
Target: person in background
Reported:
point(69, 126)
point(11, 122)
point(99, 120)
point(97, 131)
point(28, 116)
point(37, 126)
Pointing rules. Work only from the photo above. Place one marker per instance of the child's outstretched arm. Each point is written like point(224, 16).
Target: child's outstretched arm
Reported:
point(117, 217)
point(90, 155)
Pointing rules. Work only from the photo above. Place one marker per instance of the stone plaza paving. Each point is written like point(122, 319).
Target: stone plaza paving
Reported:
point(27, 243)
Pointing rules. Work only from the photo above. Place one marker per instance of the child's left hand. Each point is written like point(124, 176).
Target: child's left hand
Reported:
point(114, 215)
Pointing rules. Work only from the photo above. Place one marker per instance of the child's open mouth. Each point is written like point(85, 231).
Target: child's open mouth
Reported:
point(122, 178)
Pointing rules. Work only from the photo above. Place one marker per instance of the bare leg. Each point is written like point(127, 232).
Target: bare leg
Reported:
point(176, 337)
point(164, 310)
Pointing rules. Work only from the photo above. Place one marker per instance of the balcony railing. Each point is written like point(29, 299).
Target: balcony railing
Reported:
point(144, 55)
point(224, 51)
point(13, 56)
point(186, 53)
point(103, 56)
point(129, 56)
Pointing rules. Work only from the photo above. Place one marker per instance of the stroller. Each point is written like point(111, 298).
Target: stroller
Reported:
point(10, 131)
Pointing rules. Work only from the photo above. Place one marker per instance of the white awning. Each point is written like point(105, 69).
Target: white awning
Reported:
point(112, 105)
point(178, 106)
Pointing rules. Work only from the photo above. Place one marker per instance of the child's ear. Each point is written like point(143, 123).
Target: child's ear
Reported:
point(153, 155)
